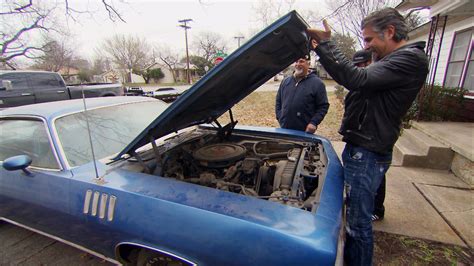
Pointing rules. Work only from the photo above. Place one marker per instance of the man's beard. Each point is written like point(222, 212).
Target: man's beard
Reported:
point(298, 72)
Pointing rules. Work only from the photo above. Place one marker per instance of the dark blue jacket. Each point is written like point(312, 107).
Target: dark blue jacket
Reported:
point(298, 104)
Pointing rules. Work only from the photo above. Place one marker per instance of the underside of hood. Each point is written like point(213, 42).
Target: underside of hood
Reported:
point(243, 71)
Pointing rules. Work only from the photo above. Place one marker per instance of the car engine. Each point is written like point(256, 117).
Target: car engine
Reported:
point(279, 170)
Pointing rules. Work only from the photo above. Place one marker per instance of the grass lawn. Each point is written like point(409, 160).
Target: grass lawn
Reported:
point(258, 109)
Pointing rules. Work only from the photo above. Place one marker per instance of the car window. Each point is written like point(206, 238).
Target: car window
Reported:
point(165, 89)
point(18, 80)
point(112, 129)
point(42, 81)
point(27, 137)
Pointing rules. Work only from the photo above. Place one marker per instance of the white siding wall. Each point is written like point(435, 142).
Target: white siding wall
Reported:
point(168, 78)
point(446, 45)
point(137, 78)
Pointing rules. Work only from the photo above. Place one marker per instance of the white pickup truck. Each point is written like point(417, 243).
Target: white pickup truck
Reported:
point(29, 87)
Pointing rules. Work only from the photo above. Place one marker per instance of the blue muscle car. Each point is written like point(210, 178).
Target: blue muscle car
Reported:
point(137, 181)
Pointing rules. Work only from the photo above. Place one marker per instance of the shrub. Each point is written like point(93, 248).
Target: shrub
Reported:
point(436, 103)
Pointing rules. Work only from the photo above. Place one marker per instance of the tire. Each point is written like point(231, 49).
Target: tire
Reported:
point(148, 257)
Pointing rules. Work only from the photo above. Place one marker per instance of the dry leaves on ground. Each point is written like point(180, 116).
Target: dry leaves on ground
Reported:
point(258, 109)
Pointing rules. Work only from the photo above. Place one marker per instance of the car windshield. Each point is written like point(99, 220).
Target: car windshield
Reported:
point(112, 129)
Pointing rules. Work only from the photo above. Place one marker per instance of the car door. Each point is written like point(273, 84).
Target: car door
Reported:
point(40, 198)
point(48, 87)
point(19, 94)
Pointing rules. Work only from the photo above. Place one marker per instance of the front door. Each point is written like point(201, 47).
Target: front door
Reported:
point(39, 199)
point(48, 87)
point(19, 94)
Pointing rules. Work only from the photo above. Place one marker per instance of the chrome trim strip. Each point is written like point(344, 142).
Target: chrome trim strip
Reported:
point(111, 209)
point(87, 201)
point(95, 202)
point(103, 204)
point(50, 139)
point(61, 240)
point(55, 133)
point(151, 248)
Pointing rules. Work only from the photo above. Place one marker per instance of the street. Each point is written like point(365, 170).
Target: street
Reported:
point(23, 247)
point(267, 86)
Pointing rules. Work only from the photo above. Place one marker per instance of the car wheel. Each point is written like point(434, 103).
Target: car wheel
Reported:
point(148, 257)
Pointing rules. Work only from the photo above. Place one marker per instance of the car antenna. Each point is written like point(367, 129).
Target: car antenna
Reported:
point(97, 177)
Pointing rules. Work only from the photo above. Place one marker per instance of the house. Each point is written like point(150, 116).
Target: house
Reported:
point(450, 45)
point(450, 41)
point(70, 74)
point(120, 75)
point(112, 76)
point(179, 70)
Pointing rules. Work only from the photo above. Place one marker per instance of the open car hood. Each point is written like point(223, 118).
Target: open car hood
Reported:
point(243, 71)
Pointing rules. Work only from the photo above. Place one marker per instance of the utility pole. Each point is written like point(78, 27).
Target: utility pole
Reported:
point(184, 25)
point(238, 39)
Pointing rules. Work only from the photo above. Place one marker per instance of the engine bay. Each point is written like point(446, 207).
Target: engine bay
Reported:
point(287, 171)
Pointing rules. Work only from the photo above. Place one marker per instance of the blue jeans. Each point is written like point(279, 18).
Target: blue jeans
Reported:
point(363, 173)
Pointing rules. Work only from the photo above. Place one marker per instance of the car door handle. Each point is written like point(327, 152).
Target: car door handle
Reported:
point(26, 94)
point(60, 91)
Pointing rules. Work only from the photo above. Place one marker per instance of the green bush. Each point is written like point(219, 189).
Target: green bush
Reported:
point(436, 103)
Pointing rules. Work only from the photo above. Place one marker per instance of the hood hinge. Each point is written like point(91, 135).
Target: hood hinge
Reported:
point(224, 132)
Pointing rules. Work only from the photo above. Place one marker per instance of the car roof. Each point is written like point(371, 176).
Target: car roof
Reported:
point(25, 71)
point(51, 110)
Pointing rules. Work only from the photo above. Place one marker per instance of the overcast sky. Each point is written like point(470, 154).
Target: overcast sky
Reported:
point(157, 21)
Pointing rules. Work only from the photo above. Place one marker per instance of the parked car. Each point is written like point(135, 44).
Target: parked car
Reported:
point(28, 87)
point(134, 91)
point(137, 181)
point(165, 94)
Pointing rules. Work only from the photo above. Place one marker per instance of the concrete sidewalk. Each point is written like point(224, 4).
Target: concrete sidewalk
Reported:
point(429, 204)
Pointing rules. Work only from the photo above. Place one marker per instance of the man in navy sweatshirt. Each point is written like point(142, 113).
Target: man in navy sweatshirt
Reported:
point(301, 102)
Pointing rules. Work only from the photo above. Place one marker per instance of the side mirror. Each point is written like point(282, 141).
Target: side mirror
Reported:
point(20, 162)
point(6, 85)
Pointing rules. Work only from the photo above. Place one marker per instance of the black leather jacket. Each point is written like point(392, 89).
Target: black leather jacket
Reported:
point(379, 95)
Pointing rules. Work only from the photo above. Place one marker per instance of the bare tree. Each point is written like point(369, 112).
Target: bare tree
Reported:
point(347, 15)
point(414, 19)
point(19, 22)
point(346, 43)
point(128, 52)
point(169, 57)
point(267, 11)
point(22, 20)
point(56, 55)
point(208, 44)
point(99, 65)
point(311, 16)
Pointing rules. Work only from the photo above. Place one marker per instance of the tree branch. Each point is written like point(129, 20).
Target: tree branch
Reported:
point(112, 12)
point(35, 25)
point(24, 53)
point(20, 8)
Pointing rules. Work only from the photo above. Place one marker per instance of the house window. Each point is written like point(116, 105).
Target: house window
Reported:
point(460, 71)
